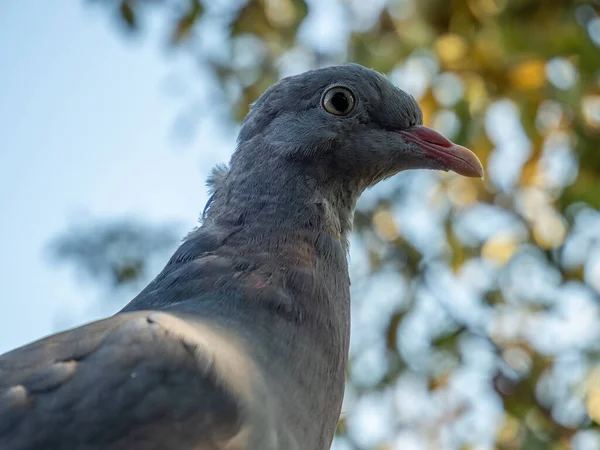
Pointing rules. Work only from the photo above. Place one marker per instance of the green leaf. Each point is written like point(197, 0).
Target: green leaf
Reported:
point(128, 14)
point(186, 22)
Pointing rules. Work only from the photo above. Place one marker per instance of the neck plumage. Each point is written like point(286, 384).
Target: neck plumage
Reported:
point(271, 202)
point(289, 240)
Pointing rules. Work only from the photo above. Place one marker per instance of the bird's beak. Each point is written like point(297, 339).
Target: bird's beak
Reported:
point(453, 157)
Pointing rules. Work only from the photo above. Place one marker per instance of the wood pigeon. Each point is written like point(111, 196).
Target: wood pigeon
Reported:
point(241, 342)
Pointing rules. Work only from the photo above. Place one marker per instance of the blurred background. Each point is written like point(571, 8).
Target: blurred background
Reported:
point(476, 305)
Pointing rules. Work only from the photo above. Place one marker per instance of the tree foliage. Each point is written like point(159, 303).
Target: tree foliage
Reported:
point(476, 304)
point(115, 252)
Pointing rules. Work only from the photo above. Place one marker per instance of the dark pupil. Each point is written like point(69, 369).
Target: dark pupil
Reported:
point(339, 100)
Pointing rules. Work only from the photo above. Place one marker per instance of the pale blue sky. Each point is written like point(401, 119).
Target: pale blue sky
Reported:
point(84, 130)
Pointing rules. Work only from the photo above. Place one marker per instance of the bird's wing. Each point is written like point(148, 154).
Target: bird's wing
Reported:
point(140, 380)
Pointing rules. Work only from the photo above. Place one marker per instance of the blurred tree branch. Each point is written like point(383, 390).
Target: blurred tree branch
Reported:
point(115, 252)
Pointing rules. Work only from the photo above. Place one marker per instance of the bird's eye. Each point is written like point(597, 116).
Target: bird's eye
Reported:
point(338, 101)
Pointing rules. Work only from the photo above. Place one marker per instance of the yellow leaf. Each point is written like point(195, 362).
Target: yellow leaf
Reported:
point(508, 435)
point(385, 225)
point(485, 9)
point(451, 47)
point(528, 75)
point(280, 13)
point(549, 230)
point(499, 248)
point(462, 191)
point(591, 110)
point(477, 94)
point(593, 404)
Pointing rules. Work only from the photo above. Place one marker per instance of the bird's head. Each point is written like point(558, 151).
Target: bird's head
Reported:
point(341, 128)
point(351, 123)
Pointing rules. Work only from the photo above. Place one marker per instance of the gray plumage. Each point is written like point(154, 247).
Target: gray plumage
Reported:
point(241, 342)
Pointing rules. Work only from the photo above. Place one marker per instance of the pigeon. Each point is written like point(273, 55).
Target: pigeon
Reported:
point(241, 342)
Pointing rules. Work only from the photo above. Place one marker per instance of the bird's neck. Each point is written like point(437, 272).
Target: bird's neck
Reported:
point(286, 204)
point(275, 249)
